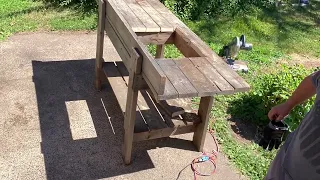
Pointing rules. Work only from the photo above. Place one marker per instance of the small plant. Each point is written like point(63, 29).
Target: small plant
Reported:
point(268, 90)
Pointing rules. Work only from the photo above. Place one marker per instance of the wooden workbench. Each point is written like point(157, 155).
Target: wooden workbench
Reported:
point(153, 92)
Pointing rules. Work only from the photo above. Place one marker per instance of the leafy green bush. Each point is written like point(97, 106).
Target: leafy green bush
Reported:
point(268, 90)
point(83, 6)
point(194, 9)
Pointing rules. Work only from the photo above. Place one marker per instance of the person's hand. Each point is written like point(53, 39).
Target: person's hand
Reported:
point(279, 112)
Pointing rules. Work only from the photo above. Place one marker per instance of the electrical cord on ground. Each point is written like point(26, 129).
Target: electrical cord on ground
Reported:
point(204, 157)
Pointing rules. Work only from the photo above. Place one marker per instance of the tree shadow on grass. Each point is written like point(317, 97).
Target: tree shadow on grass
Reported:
point(82, 9)
point(22, 12)
point(292, 20)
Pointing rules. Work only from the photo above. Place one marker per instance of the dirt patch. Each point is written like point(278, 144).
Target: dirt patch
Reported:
point(305, 60)
point(244, 132)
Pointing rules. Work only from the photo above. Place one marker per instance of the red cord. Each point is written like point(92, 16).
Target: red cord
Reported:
point(208, 157)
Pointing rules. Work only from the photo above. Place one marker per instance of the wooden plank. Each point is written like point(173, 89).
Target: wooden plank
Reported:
point(156, 38)
point(176, 107)
point(129, 119)
point(100, 41)
point(232, 77)
point(212, 75)
point(160, 133)
point(120, 90)
point(186, 119)
point(201, 130)
point(117, 43)
point(165, 62)
point(144, 17)
point(187, 124)
point(184, 44)
point(165, 26)
point(169, 16)
point(165, 13)
point(160, 51)
point(200, 47)
point(198, 80)
point(179, 81)
point(152, 73)
point(132, 19)
point(172, 107)
point(151, 115)
point(188, 47)
point(169, 92)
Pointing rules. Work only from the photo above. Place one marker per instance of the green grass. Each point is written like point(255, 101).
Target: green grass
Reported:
point(290, 30)
point(275, 35)
point(250, 159)
point(26, 15)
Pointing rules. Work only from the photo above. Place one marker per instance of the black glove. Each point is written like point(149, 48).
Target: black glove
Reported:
point(273, 135)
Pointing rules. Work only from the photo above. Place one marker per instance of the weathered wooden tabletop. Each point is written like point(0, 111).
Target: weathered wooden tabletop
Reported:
point(201, 73)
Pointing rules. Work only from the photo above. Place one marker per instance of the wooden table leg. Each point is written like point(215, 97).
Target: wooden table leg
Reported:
point(100, 41)
point(160, 51)
point(201, 129)
point(130, 114)
point(129, 120)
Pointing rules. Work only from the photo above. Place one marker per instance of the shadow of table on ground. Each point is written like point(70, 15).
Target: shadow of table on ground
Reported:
point(57, 84)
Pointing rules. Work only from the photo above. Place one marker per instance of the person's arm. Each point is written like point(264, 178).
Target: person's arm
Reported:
point(305, 90)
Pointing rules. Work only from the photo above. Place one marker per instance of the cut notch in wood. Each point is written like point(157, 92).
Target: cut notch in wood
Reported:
point(156, 38)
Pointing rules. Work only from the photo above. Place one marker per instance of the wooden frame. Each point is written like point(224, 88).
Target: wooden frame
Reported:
point(200, 73)
point(152, 73)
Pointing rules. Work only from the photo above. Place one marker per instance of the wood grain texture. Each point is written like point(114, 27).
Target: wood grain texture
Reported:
point(176, 107)
point(117, 43)
point(212, 75)
point(237, 82)
point(172, 107)
point(160, 133)
point(198, 80)
point(120, 90)
point(201, 130)
point(184, 44)
point(169, 92)
point(100, 41)
point(143, 16)
point(165, 13)
point(160, 51)
point(200, 48)
point(150, 113)
point(179, 81)
point(156, 38)
point(129, 119)
point(152, 73)
point(165, 26)
point(131, 18)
